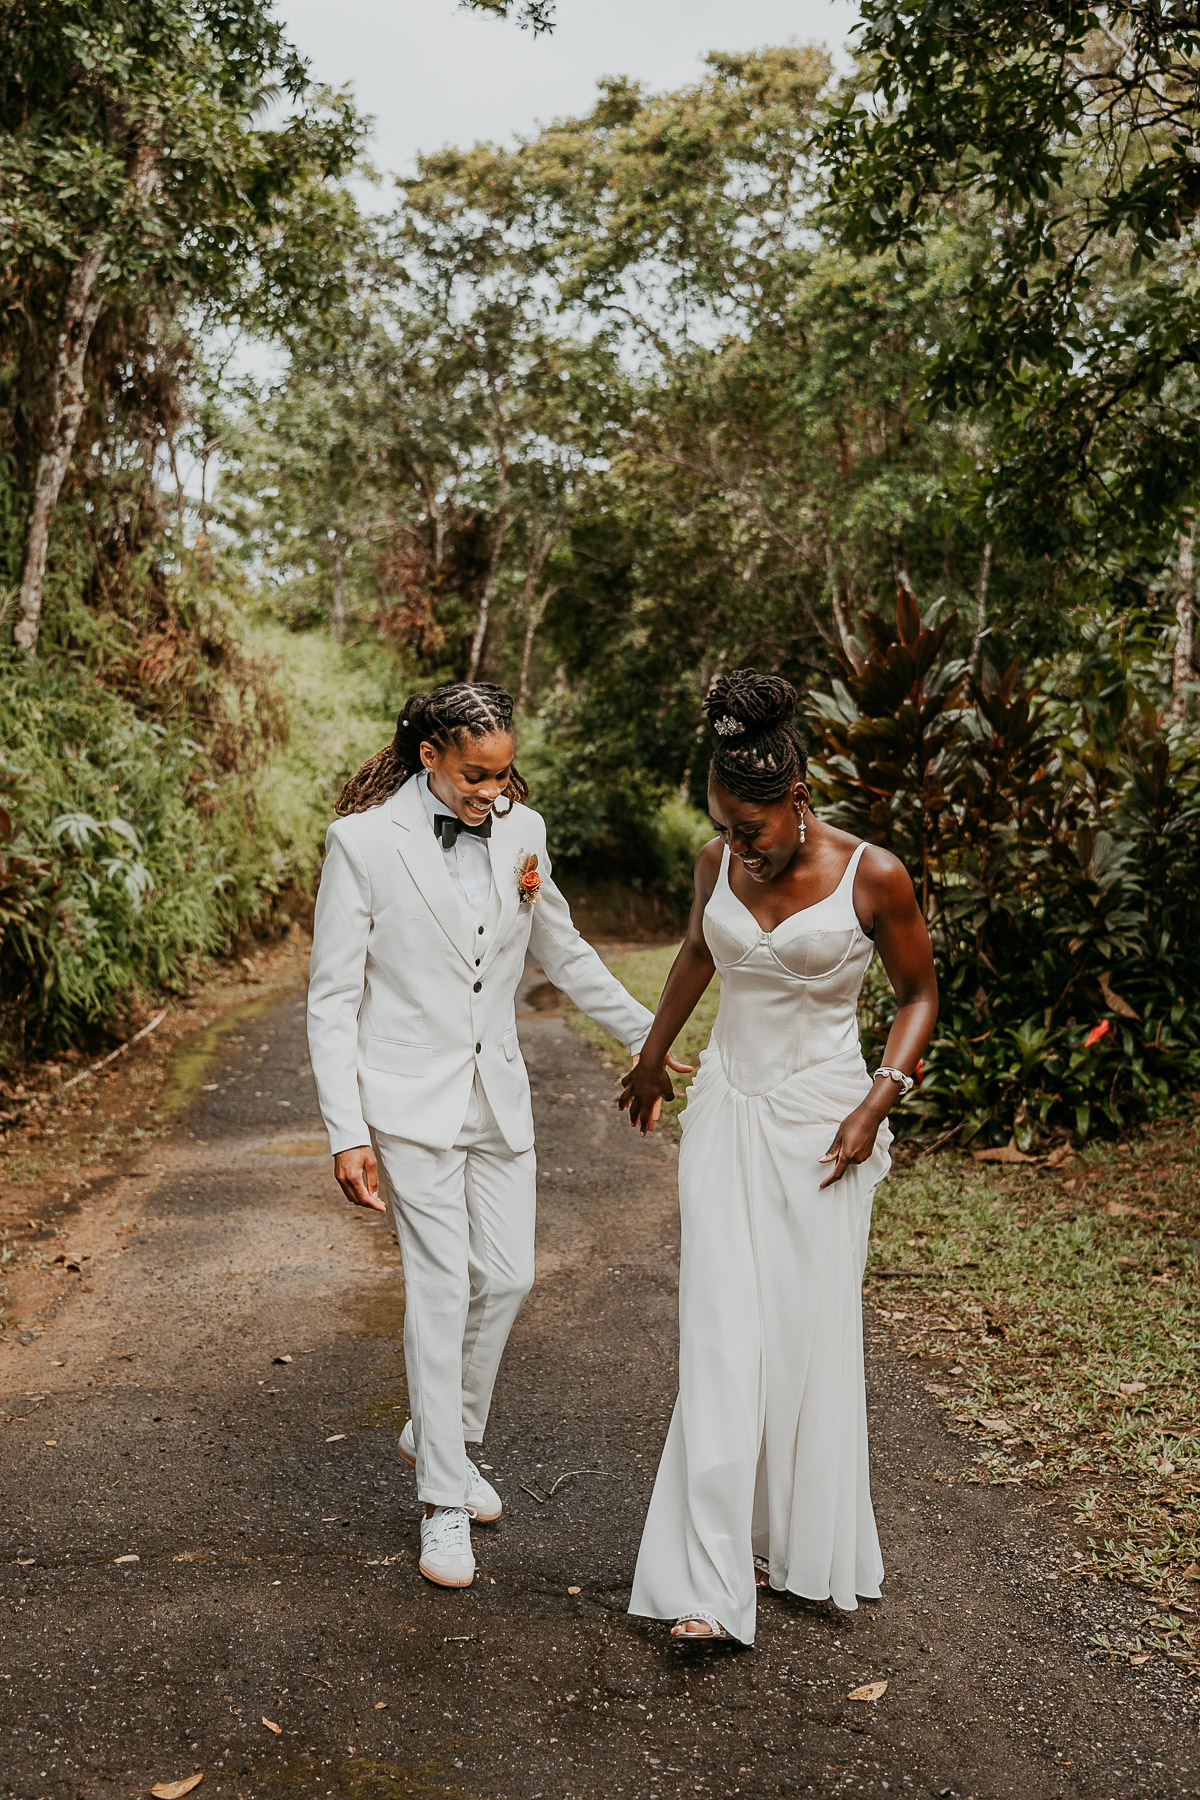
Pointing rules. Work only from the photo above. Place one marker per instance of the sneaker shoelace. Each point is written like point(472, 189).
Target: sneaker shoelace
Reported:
point(449, 1531)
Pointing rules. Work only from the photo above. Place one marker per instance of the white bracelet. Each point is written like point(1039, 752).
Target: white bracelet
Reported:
point(904, 1082)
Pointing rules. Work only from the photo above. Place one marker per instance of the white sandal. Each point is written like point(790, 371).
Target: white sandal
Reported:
point(715, 1634)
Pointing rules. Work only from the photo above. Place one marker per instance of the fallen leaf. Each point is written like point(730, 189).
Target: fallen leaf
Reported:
point(282, 1359)
point(50, 1443)
point(272, 1726)
point(874, 1690)
point(379, 1705)
point(27, 1562)
point(1192, 1572)
point(1165, 1467)
point(1143, 1656)
point(1133, 1387)
point(122, 1559)
point(1121, 1007)
point(573, 1590)
point(1117, 1209)
point(174, 1790)
point(1058, 1157)
point(1006, 1153)
point(336, 1438)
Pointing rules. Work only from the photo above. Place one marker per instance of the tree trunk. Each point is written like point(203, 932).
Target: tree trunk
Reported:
point(337, 568)
point(533, 607)
point(80, 309)
point(1182, 671)
point(981, 600)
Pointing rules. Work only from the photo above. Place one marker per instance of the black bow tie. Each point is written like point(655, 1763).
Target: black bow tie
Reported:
point(447, 827)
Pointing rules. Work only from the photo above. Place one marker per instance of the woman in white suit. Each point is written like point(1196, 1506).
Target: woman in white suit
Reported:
point(436, 883)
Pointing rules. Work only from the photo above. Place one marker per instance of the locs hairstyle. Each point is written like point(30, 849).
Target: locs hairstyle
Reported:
point(759, 752)
point(445, 715)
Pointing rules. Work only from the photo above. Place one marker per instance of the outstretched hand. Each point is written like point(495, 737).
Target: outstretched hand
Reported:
point(645, 1087)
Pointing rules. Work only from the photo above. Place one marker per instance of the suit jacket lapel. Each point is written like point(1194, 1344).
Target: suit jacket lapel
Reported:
point(505, 851)
point(426, 863)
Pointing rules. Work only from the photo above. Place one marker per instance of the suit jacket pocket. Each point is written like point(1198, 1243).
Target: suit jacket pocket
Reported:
point(510, 1043)
point(394, 1058)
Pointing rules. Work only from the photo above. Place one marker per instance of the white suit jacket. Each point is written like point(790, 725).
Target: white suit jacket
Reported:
point(409, 998)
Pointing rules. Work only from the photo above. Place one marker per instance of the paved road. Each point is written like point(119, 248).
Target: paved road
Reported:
point(275, 1530)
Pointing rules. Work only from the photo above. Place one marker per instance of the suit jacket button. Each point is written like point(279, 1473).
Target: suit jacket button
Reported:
point(478, 1048)
point(478, 985)
point(481, 931)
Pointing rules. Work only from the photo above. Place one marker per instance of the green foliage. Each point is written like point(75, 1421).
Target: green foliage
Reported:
point(1064, 136)
point(1052, 825)
point(129, 854)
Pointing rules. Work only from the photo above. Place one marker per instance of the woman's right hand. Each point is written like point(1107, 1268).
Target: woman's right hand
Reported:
point(357, 1175)
point(646, 1086)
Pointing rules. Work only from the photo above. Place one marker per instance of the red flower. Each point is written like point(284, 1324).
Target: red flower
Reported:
point(1097, 1032)
point(528, 880)
point(919, 1071)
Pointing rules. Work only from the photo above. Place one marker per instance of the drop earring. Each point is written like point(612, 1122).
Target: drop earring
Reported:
point(800, 816)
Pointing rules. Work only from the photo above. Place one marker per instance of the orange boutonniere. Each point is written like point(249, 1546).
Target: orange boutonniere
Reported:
point(529, 882)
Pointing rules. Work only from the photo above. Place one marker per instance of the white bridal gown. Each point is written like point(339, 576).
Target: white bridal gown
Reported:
point(767, 1451)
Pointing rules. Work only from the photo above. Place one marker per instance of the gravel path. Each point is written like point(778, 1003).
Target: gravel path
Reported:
point(199, 1537)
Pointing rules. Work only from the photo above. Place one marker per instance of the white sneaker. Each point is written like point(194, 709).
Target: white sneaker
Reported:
point(446, 1555)
point(483, 1502)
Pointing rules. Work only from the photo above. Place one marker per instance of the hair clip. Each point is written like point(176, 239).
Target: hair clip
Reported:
point(728, 727)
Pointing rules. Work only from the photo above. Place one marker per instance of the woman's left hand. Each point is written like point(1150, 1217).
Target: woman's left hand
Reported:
point(854, 1141)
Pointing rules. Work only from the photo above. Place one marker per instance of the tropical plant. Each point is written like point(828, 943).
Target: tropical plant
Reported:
point(1051, 820)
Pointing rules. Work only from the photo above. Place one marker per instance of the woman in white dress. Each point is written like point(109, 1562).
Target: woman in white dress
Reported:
point(764, 1479)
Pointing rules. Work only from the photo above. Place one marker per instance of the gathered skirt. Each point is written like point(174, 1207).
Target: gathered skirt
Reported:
point(767, 1449)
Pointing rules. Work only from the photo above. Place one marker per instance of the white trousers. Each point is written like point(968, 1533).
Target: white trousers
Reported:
point(465, 1221)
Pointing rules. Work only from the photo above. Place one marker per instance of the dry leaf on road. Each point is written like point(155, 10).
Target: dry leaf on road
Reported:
point(174, 1790)
point(874, 1690)
point(272, 1726)
point(1133, 1387)
point(1007, 1153)
point(121, 1559)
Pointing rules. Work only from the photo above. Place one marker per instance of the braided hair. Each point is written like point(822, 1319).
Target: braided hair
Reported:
point(445, 715)
point(759, 752)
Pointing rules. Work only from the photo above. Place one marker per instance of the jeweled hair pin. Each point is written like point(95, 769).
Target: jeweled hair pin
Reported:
point(728, 727)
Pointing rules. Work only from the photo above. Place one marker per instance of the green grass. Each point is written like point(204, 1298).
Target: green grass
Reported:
point(1061, 1306)
point(643, 973)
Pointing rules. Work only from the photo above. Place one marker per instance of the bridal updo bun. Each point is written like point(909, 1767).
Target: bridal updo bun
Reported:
point(759, 752)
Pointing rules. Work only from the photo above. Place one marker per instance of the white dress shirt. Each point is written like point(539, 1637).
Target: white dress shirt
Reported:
point(469, 859)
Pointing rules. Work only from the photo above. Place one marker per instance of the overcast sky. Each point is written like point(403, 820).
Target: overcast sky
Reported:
point(431, 74)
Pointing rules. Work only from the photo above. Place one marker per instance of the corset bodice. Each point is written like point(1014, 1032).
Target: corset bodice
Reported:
point(789, 997)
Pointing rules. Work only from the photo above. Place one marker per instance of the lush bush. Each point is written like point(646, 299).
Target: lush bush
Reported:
point(1051, 821)
point(607, 818)
point(139, 837)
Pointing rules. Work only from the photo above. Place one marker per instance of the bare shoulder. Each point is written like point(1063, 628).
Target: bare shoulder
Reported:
point(882, 885)
point(708, 866)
